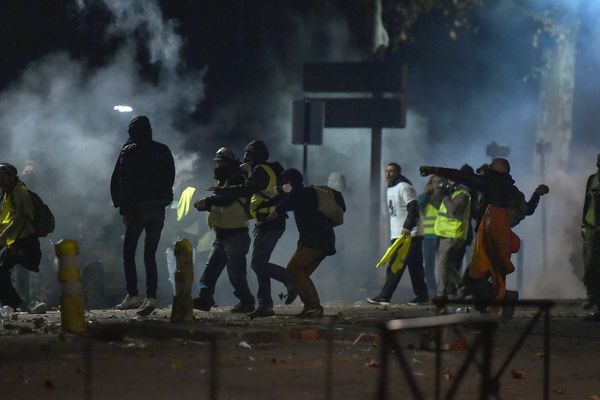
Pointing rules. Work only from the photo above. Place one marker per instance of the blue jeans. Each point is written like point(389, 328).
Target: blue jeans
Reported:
point(414, 264)
point(430, 245)
point(150, 220)
point(227, 250)
point(264, 243)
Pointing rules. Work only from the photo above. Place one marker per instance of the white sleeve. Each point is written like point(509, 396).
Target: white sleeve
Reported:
point(408, 193)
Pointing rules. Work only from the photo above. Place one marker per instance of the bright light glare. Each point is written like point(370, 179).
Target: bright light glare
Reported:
point(123, 109)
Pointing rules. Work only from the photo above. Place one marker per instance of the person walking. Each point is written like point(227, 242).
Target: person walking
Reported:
point(262, 185)
point(451, 226)
point(19, 244)
point(316, 239)
point(429, 203)
point(405, 219)
point(590, 231)
point(228, 218)
point(141, 187)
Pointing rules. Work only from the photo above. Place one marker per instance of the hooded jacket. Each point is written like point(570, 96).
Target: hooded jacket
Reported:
point(144, 174)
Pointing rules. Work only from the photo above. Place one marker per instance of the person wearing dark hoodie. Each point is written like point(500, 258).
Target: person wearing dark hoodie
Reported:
point(141, 187)
point(315, 242)
point(505, 207)
point(263, 187)
point(405, 219)
point(228, 218)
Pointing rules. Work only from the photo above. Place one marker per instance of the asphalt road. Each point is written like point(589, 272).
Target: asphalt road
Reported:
point(229, 356)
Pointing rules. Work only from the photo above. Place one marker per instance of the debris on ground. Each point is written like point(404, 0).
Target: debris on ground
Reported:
point(518, 373)
point(244, 345)
point(447, 375)
point(366, 337)
point(371, 362)
point(307, 334)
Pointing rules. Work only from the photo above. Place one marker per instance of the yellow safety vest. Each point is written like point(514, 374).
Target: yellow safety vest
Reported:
point(429, 216)
point(258, 211)
point(7, 214)
point(453, 227)
point(231, 216)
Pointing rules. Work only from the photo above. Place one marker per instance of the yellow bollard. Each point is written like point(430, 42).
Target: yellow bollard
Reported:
point(182, 310)
point(69, 275)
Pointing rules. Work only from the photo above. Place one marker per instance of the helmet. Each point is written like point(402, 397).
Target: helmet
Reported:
point(224, 154)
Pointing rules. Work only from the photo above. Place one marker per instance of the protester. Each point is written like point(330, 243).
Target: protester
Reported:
point(590, 230)
point(451, 226)
point(229, 219)
point(262, 185)
point(316, 239)
point(405, 219)
point(429, 203)
point(141, 187)
point(505, 207)
point(19, 244)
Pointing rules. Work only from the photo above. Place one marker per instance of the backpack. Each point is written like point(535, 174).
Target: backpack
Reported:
point(43, 219)
point(329, 205)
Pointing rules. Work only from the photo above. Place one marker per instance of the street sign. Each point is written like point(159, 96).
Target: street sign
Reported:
point(372, 77)
point(365, 113)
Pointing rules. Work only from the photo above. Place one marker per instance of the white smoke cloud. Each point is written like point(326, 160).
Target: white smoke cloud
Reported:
point(60, 113)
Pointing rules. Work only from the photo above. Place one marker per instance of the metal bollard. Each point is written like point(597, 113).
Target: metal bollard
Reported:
point(182, 310)
point(69, 275)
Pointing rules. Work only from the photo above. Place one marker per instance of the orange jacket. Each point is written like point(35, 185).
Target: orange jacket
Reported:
point(494, 245)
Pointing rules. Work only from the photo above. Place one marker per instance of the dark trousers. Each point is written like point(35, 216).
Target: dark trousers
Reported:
point(430, 245)
point(25, 252)
point(414, 262)
point(591, 264)
point(228, 250)
point(264, 244)
point(150, 220)
point(301, 266)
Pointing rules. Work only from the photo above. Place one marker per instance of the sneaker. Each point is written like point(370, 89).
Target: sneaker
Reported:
point(262, 311)
point(418, 301)
point(147, 307)
point(243, 308)
point(380, 301)
point(311, 312)
point(129, 302)
point(38, 308)
point(509, 311)
point(203, 304)
point(291, 295)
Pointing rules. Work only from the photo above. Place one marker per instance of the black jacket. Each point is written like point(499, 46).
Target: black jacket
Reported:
point(143, 176)
point(498, 189)
point(314, 229)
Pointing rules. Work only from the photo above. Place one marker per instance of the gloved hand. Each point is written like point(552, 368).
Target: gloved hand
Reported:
point(201, 205)
point(426, 170)
point(541, 190)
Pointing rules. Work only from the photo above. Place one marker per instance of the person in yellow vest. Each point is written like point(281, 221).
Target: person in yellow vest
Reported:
point(429, 203)
point(451, 226)
point(18, 241)
point(590, 230)
point(229, 219)
point(262, 185)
